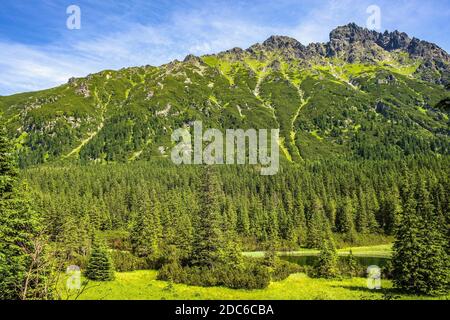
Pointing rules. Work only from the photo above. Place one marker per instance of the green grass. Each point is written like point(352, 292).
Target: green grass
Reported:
point(142, 285)
point(380, 251)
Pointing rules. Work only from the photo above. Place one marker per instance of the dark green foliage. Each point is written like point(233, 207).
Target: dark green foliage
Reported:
point(125, 261)
point(249, 276)
point(344, 220)
point(350, 266)
point(327, 264)
point(317, 225)
point(100, 266)
point(283, 269)
point(146, 231)
point(23, 271)
point(420, 261)
point(209, 243)
point(115, 189)
point(270, 256)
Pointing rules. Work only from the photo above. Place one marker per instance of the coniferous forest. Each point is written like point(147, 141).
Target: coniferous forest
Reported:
point(192, 223)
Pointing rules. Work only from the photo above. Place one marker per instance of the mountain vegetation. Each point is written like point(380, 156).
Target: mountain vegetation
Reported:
point(362, 95)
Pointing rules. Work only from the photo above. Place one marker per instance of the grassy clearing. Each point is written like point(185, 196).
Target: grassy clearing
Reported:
point(380, 251)
point(142, 285)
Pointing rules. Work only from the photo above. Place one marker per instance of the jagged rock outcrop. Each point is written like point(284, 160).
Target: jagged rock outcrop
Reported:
point(353, 44)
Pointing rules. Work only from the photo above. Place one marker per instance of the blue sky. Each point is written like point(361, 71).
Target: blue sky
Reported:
point(37, 51)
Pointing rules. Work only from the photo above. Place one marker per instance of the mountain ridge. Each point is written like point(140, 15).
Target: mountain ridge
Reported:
point(363, 94)
point(344, 37)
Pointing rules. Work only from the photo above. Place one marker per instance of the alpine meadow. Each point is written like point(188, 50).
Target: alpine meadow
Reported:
point(93, 207)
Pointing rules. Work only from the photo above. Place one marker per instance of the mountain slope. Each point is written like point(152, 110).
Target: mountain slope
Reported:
point(361, 95)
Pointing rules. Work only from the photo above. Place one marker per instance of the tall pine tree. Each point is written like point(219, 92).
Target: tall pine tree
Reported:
point(209, 244)
point(19, 229)
point(146, 230)
point(420, 261)
point(435, 263)
point(100, 266)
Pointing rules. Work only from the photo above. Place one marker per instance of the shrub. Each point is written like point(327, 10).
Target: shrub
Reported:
point(125, 261)
point(100, 267)
point(327, 264)
point(283, 269)
point(173, 272)
point(252, 276)
point(350, 267)
point(249, 276)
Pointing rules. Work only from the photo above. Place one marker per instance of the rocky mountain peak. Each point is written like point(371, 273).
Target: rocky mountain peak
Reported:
point(282, 42)
point(352, 33)
point(190, 58)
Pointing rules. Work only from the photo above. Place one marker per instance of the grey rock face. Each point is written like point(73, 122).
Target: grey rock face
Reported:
point(354, 44)
point(282, 42)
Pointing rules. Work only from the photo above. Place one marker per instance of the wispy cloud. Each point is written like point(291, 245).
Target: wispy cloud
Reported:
point(26, 68)
point(140, 33)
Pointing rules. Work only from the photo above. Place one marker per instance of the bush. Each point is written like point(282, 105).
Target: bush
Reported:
point(249, 276)
point(327, 264)
point(252, 276)
point(173, 272)
point(283, 269)
point(117, 239)
point(100, 267)
point(125, 261)
point(350, 267)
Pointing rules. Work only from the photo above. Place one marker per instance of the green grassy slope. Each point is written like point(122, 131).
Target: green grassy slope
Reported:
point(324, 107)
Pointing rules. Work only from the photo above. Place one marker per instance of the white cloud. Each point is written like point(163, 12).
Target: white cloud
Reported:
point(26, 68)
point(201, 31)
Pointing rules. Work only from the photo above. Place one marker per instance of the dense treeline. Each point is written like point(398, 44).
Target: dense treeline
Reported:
point(145, 207)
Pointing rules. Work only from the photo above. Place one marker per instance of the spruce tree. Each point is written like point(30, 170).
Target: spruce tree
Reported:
point(435, 263)
point(420, 260)
point(331, 211)
point(408, 247)
point(270, 255)
point(391, 210)
point(19, 231)
point(327, 264)
point(146, 230)
point(209, 245)
point(243, 222)
point(316, 223)
point(362, 213)
point(300, 221)
point(344, 220)
point(183, 236)
point(100, 266)
point(352, 264)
